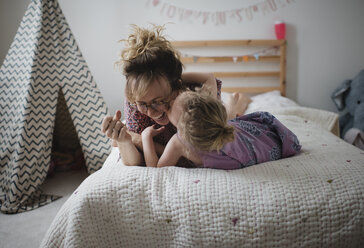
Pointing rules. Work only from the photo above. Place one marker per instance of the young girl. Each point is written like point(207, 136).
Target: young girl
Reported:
point(206, 137)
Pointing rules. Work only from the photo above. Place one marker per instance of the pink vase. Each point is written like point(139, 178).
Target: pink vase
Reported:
point(280, 29)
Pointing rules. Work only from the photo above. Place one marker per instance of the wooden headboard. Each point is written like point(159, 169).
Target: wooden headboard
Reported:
point(280, 59)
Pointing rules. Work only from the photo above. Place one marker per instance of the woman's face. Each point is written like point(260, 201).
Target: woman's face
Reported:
point(154, 103)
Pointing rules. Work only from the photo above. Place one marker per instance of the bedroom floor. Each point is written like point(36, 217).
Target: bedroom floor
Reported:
point(27, 229)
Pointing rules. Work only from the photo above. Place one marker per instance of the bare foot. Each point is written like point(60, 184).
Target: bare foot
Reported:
point(242, 103)
point(237, 104)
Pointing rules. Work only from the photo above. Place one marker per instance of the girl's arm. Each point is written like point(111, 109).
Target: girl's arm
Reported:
point(171, 154)
point(149, 148)
point(206, 79)
point(137, 141)
point(150, 155)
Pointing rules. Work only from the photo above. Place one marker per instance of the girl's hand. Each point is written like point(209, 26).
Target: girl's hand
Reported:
point(151, 131)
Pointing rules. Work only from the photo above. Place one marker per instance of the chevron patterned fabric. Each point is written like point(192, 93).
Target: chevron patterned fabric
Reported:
point(43, 59)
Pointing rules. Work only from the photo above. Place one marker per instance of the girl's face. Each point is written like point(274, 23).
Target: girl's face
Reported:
point(154, 103)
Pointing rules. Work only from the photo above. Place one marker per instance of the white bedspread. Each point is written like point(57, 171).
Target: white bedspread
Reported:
point(315, 199)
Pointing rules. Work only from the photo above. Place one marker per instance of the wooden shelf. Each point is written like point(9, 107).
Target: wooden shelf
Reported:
point(280, 59)
point(249, 89)
point(201, 59)
point(237, 74)
point(227, 43)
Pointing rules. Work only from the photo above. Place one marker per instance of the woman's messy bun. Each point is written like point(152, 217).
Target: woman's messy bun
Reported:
point(148, 54)
point(142, 40)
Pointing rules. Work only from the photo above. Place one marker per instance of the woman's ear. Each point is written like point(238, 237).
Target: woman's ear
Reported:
point(174, 95)
point(338, 96)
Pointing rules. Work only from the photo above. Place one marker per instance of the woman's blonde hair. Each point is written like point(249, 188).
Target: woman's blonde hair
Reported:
point(149, 56)
point(203, 122)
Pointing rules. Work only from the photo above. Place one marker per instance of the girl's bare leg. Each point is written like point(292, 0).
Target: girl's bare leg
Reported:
point(236, 105)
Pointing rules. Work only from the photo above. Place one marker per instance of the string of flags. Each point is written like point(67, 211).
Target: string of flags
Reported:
point(220, 17)
point(245, 58)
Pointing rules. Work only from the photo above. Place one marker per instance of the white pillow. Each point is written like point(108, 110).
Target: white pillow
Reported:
point(261, 102)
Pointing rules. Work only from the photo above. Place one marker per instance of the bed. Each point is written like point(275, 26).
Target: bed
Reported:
point(314, 199)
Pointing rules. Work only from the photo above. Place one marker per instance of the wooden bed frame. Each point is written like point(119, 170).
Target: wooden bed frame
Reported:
point(281, 59)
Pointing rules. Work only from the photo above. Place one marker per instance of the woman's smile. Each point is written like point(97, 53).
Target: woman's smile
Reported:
point(161, 119)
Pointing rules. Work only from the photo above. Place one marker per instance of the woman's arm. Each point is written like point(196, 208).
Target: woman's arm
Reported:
point(206, 79)
point(117, 132)
point(128, 151)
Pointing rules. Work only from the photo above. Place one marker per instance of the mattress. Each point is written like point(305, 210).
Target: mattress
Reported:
point(314, 199)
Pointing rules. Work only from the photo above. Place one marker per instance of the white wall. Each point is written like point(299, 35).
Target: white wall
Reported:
point(325, 38)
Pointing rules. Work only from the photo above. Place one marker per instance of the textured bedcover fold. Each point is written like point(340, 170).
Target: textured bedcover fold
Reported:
point(315, 199)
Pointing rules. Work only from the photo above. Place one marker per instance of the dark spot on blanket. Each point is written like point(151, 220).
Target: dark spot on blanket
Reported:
point(234, 220)
point(168, 220)
point(330, 180)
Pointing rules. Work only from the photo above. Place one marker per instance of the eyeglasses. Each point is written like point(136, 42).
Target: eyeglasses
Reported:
point(156, 105)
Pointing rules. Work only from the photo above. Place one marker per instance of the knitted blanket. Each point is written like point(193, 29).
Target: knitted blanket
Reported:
point(314, 199)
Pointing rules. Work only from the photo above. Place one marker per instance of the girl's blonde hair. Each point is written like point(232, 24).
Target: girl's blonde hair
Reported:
point(149, 56)
point(203, 122)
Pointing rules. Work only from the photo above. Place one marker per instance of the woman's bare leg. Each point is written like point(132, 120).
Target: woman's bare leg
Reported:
point(236, 105)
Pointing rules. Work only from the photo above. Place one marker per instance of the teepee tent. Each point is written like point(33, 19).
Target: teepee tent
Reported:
point(44, 73)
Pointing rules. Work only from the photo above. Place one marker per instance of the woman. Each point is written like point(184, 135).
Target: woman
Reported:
point(153, 72)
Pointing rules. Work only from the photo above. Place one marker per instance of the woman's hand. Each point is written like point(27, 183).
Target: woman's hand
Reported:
point(115, 129)
point(118, 133)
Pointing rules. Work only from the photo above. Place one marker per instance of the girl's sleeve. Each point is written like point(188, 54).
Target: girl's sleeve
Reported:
point(134, 120)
